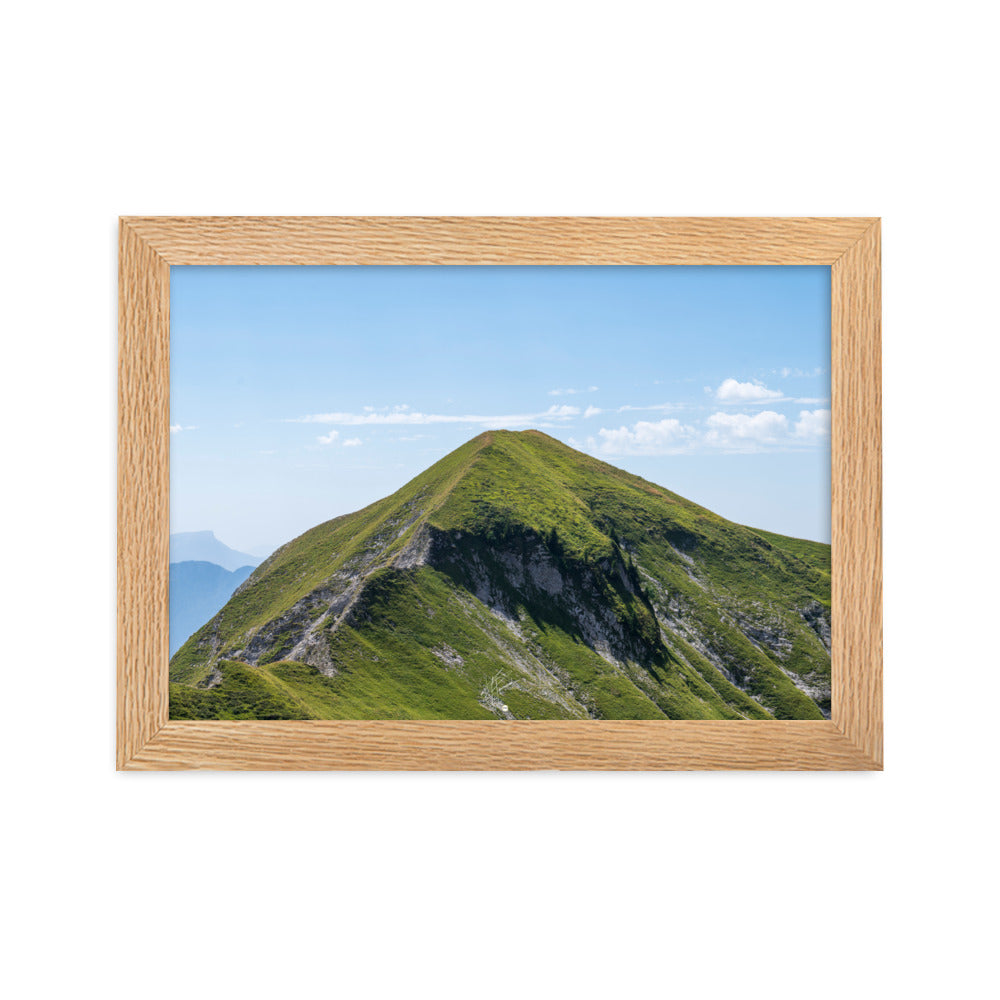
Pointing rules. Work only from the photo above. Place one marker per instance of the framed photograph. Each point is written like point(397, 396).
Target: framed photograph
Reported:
point(499, 493)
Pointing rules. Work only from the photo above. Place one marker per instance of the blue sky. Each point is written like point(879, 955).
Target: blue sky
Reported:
point(302, 393)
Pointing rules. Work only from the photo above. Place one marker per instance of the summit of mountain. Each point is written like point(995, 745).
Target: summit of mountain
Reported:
point(520, 578)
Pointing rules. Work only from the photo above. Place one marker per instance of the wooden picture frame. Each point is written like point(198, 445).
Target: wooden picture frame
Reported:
point(148, 740)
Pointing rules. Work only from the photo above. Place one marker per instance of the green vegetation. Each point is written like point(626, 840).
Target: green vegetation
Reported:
point(518, 578)
point(245, 693)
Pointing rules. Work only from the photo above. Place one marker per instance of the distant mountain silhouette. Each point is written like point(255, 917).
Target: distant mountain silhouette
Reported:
point(197, 591)
point(203, 546)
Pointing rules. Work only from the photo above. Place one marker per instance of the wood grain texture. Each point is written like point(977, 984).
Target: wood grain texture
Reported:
point(856, 502)
point(143, 492)
point(513, 746)
point(385, 240)
point(147, 741)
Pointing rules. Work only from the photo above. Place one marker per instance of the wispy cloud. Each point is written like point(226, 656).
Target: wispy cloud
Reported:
point(592, 411)
point(743, 431)
point(749, 393)
point(662, 407)
point(177, 428)
point(732, 391)
point(765, 430)
point(402, 416)
point(333, 437)
point(664, 437)
point(572, 392)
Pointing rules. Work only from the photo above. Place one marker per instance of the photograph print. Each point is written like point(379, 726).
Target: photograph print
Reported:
point(478, 492)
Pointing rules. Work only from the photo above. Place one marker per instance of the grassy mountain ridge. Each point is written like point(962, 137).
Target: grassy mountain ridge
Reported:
point(519, 578)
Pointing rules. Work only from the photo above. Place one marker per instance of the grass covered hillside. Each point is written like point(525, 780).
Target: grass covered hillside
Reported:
point(518, 578)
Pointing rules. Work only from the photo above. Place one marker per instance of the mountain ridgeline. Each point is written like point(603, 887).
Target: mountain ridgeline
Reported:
point(203, 546)
point(517, 578)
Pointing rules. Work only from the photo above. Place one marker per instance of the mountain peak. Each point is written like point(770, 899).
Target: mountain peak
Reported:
point(496, 435)
point(203, 546)
point(520, 578)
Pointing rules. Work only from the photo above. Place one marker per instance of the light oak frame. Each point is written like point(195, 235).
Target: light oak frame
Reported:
point(148, 740)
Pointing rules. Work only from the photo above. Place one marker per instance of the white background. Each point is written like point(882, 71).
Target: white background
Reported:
point(691, 885)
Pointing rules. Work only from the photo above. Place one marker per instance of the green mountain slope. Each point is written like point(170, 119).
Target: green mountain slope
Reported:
point(518, 578)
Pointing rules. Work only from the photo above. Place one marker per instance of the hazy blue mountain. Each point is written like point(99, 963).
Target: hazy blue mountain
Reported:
point(197, 591)
point(203, 546)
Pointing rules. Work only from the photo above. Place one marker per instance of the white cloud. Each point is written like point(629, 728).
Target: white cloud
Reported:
point(403, 416)
point(592, 411)
point(572, 392)
point(764, 430)
point(334, 436)
point(812, 425)
point(653, 406)
point(177, 428)
point(732, 391)
point(743, 432)
point(561, 412)
point(664, 437)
